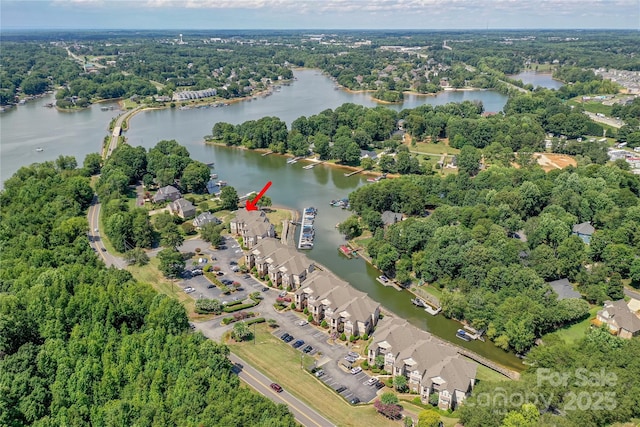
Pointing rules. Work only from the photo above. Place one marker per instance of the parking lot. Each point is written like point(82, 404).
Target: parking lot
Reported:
point(202, 287)
point(328, 355)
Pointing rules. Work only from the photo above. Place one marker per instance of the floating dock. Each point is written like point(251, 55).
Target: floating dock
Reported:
point(307, 232)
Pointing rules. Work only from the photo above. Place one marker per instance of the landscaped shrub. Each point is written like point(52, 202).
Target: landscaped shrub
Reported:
point(352, 338)
point(233, 308)
point(324, 324)
point(293, 305)
point(306, 310)
point(256, 320)
point(310, 318)
point(365, 365)
point(365, 337)
point(232, 303)
point(343, 337)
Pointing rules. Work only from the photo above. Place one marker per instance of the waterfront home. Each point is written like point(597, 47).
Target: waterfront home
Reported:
point(183, 208)
point(584, 231)
point(252, 226)
point(205, 218)
point(283, 265)
point(429, 364)
point(168, 192)
point(346, 310)
point(563, 289)
point(619, 318)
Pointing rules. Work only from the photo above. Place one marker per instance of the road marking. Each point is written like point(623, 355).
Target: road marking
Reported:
point(278, 394)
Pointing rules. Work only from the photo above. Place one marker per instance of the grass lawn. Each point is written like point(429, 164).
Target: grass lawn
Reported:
point(438, 148)
point(485, 374)
point(281, 361)
point(276, 216)
point(151, 275)
point(448, 420)
point(427, 289)
point(128, 104)
point(573, 333)
point(592, 106)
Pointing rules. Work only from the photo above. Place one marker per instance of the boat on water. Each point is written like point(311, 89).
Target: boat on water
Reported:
point(293, 160)
point(39, 149)
point(214, 176)
point(418, 302)
point(221, 183)
point(346, 251)
point(462, 334)
point(311, 166)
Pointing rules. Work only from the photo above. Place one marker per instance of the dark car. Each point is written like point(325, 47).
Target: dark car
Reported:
point(233, 263)
point(222, 247)
point(379, 385)
point(289, 338)
point(265, 289)
point(307, 349)
point(341, 389)
point(276, 387)
point(211, 285)
point(354, 401)
point(284, 336)
point(298, 343)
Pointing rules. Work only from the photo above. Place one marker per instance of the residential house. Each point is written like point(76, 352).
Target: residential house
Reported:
point(283, 265)
point(563, 289)
point(584, 231)
point(390, 218)
point(430, 364)
point(205, 218)
point(252, 226)
point(619, 319)
point(168, 192)
point(364, 154)
point(183, 208)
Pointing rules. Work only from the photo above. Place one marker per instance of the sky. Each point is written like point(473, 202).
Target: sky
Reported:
point(319, 14)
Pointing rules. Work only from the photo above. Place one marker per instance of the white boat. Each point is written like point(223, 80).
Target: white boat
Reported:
point(39, 149)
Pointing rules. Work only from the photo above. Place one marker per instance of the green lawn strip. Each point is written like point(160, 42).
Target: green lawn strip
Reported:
point(281, 362)
point(489, 375)
point(276, 216)
point(572, 333)
point(448, 420)
point(436, 148)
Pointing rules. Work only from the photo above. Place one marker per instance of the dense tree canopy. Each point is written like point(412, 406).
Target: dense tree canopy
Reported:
point(84, 345)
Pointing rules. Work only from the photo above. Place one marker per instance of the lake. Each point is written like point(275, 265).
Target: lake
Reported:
point(538, 79)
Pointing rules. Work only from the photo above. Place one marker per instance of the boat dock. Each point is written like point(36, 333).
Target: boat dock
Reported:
point(347, 251)
point(307, 232)
point(354, 172)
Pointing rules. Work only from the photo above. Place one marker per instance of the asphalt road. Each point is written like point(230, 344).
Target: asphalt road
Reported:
point(606, 120)
point(95, 240)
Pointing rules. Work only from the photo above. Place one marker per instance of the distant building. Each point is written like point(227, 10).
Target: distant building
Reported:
point(364, 154)
point(169, 193)
point(205, 218)
point(390, 218)
point(619, 319)
point(584, 231)
point(283, 265)
point(183, 208)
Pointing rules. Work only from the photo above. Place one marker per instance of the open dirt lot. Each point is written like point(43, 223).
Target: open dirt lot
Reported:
point(550, 161)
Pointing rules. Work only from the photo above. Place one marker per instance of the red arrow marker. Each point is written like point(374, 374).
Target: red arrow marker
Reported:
point(251, 204)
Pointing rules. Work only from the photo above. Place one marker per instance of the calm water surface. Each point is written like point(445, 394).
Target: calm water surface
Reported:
point(538, 79)
point(31, 126)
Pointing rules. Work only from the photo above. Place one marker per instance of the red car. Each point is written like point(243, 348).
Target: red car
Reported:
point(276, 387)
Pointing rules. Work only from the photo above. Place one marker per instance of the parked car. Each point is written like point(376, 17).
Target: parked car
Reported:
point(284, 336)
point(307, 349)
point(371, 381)
point(196, 272)
point(356, 370)
point(276, 387)
point(220, 273)
point(289, 339)
point(379, 385)
point(353, 354)
point(233, 263)
point(298, 343)
point(341, 389)
point(282, 294)
point(354, 401)
point(350, 359)
point(319, 373)
point(246, 276)
point(265, 289)
point(302, 323)
point(235, 268)
point(189, 289)
point(211, 285)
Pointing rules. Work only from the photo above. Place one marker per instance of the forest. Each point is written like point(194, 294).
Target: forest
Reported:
point(492, 241)
point(88, 346)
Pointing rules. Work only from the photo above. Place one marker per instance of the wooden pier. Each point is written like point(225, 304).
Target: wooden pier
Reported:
point(354, 172)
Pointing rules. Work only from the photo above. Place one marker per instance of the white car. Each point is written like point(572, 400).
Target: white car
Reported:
point(95, 230)
point(303, 323)
point(371, 381)
point(356, 370)
point(189, 289)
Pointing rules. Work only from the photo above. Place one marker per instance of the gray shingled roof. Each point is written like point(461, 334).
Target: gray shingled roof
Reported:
point(563, 288)
point(584, 228)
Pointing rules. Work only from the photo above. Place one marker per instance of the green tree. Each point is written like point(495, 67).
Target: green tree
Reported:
point(400, 383)
point(428, 418)
point(171, 236)
point(389, 398)
point(350, 227)
point(92, 163)
point(211, 233)
point(195, 177)
point(229, 198)
point(137, 256)
point(469, 160)
point(241, 331)
point(171, 263)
